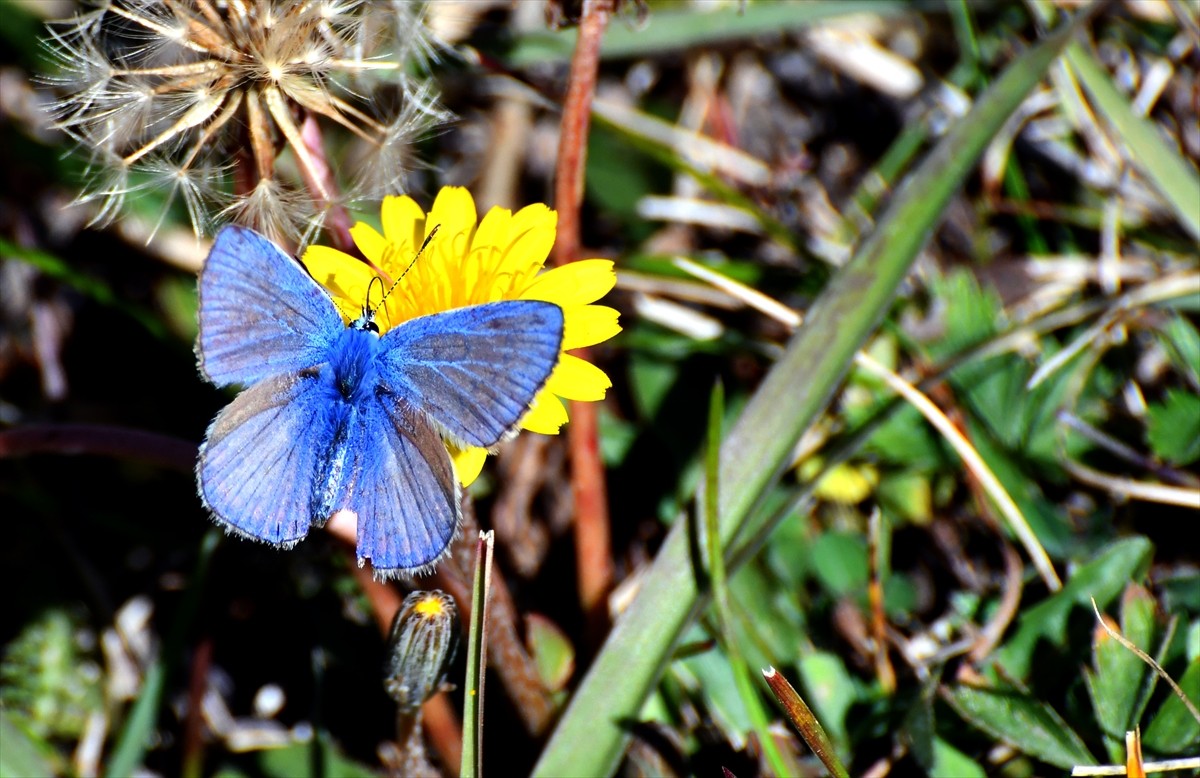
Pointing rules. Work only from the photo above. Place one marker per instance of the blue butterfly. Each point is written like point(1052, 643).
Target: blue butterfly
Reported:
point(338, 417)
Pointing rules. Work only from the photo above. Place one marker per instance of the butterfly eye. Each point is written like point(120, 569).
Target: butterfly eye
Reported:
point(370, 326)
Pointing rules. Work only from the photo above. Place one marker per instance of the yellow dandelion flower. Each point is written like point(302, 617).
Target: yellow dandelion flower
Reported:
point(471, 262)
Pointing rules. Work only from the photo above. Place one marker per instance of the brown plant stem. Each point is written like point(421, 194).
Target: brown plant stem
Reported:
point(507, 656)
point(802, 718)
point(593, 545)
point(98, 440)
point(193, 726)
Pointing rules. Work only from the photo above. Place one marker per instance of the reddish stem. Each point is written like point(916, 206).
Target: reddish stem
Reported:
point(593, 546)
point(100, 440)
point(337, 219)
point(193, 726)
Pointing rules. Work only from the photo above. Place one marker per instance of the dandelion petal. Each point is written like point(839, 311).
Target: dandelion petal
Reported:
point(403, 221)
point(587, 325)
point(578, 379)
point(578, 283)
point(454, 211)
point(372, 245)
point(468, 463)
point(343, 275)
point(546, 415)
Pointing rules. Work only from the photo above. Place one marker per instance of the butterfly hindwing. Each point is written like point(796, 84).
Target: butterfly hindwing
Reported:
point(261, 456)
point(260, 312)
point(474, 370)
point(405, 492)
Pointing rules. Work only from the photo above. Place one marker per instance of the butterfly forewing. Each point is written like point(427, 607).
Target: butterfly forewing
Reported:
point(260, 313)
point(474, 370)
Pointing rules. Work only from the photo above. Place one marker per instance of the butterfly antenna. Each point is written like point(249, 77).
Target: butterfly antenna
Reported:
point(412, 262)
point(367, 309)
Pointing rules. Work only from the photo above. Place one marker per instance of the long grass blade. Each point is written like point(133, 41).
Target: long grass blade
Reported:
point(472, 753)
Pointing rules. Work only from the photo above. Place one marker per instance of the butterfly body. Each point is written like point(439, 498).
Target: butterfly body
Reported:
point(338, 417)
point(352, 364)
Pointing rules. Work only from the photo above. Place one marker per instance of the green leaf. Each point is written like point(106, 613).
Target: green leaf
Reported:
point(1103, 579)
point(707, 675)
point(906, 495)
point(650, 381)
point(22, 753)
point(949, 762)
point(831, 691)
point(768, 620)
point(920, 731)
point(973, 313)
point(1180, 591)
point(1117, 680)
point(1182, 342)
point(591, 735)
point(552, 651)
point(1027, 724)
point(1174, 427)
point(1173, 730)
point(840, 562)
point(617, 436)
point(297, 760)
point(618, 188)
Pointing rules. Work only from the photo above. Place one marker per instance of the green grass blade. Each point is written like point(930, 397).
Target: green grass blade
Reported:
point(1173, 176)
point(759, 719)
point(472, 752)
point(669, 30)
point(591, 736)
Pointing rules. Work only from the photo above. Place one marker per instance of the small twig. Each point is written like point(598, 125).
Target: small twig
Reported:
point(592, 534)
point(879, 550)
point(1006, 611)
point(1142, 655)
point(1166, 765)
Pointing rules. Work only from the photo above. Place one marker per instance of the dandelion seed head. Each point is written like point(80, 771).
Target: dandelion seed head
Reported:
point(181, 89)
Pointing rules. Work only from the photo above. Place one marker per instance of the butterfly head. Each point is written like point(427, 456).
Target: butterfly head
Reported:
point(365, 323)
